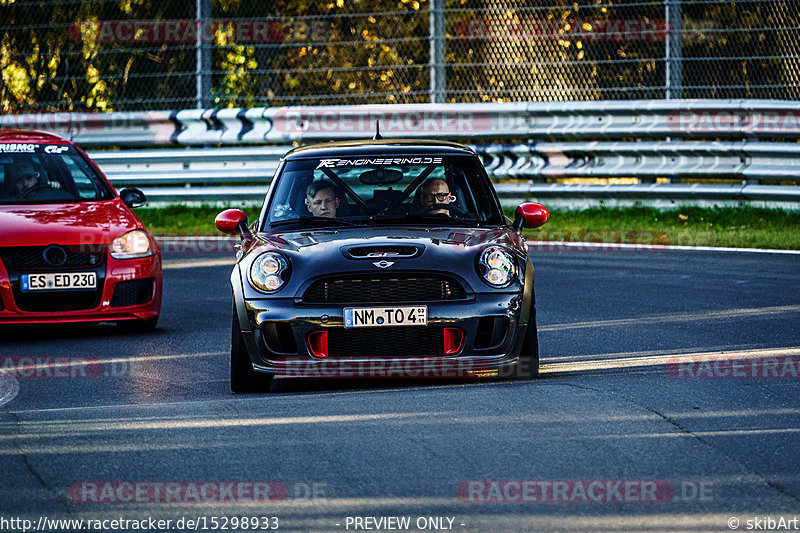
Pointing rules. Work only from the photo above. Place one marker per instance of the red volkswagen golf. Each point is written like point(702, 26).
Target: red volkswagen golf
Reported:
point(71, 250)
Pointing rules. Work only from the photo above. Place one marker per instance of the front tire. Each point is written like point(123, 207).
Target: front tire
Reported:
point(528, 363)
point(243, 378)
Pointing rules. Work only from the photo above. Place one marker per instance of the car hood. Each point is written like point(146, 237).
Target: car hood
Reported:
point(434, 239)
point(325, 252)
point(79, 223)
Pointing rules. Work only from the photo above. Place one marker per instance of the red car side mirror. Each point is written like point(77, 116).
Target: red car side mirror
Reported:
point(530, 215)
point(232, 222)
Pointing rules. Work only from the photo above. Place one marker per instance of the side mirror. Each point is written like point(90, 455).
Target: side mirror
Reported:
point(530, 215)
point(132, 197)
point(232, 222)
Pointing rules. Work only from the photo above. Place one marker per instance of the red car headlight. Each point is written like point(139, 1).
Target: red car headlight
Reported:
point(131, 245)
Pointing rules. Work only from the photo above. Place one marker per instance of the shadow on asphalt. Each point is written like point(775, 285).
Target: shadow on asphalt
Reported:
point(44, 332)
point(292, 386)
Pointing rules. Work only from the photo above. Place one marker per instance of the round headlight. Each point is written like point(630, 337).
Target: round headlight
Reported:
point(497, 266)
point(269, 272)
point(497, 277)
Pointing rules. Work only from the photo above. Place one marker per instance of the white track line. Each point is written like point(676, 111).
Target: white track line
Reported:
point(612, 247)
point(197, 263)
point(609, 246)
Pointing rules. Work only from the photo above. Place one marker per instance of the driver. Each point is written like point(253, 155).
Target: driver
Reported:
point(23, 179)
point(435, 192)
point(321, 199)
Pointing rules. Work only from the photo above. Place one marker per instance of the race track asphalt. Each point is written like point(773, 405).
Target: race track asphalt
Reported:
point(613, 413)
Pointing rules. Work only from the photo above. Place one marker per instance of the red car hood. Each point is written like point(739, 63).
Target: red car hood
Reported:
point(81, 223)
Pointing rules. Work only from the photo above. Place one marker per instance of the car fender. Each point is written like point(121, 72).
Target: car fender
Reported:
point(238, 298)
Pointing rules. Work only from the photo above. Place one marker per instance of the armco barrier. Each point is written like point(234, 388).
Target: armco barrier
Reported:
point(636, 119)
point(743, 140)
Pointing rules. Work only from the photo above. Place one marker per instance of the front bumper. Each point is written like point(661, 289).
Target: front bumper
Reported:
point(106, 308)
point(276, 334)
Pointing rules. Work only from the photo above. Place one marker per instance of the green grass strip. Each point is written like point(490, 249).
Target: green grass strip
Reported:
point(741, 227)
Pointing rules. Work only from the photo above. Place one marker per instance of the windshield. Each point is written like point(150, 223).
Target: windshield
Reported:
point(429, 190)
point(44, 174)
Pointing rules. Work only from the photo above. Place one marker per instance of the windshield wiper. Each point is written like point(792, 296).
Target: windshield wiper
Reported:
point(312, 221)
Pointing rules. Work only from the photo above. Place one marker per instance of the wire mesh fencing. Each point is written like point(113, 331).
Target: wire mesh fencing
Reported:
point(132, 55)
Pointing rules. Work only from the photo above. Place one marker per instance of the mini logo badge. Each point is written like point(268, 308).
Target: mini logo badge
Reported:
point(54, 255)
point(383, 264)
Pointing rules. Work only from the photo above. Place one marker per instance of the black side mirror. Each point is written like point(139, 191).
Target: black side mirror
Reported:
point(132, 197)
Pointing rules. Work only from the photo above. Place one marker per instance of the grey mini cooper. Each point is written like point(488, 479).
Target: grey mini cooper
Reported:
point(382, 259)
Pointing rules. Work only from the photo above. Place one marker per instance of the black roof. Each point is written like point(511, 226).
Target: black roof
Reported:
point(381, 147)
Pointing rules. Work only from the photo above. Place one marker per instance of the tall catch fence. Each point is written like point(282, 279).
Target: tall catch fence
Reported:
point(138, 55)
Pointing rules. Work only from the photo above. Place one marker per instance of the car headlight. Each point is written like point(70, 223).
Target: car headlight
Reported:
point(269, 272)
point(131, 245)
point(497, 266)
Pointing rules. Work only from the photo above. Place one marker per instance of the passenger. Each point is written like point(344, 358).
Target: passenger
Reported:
point(321, 199)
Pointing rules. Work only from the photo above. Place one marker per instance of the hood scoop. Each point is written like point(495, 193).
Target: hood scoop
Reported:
point(379, 251)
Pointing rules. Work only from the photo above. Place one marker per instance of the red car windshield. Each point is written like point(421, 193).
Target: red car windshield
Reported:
point(46, 174)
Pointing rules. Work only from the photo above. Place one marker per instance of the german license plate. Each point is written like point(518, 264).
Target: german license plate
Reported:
point(59, 281)
point(370, 317)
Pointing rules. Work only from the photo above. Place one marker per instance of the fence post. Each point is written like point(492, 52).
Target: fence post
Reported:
point(673, 51)
point(203, 55)
point(437, 59)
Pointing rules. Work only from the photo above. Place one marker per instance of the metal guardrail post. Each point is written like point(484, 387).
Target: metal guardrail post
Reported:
point(673, 50)
point(438, 83)
point(203, 53)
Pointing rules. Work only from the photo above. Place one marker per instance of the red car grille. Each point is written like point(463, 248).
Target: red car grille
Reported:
point(62, 301)
point(33, 258)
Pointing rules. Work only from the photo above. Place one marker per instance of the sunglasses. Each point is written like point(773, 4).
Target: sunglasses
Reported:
point(440, 196)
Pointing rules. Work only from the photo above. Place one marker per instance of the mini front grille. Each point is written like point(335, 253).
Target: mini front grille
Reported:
point(384, 288)
point(407, 341)
point(35, 258)
point(132, 292)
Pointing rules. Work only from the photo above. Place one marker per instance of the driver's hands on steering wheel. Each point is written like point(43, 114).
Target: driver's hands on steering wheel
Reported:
point(41, 186)
point(36, 188)
point(453, 210)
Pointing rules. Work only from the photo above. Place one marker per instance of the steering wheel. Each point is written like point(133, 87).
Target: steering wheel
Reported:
point(36, 188)
point(454, 210)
